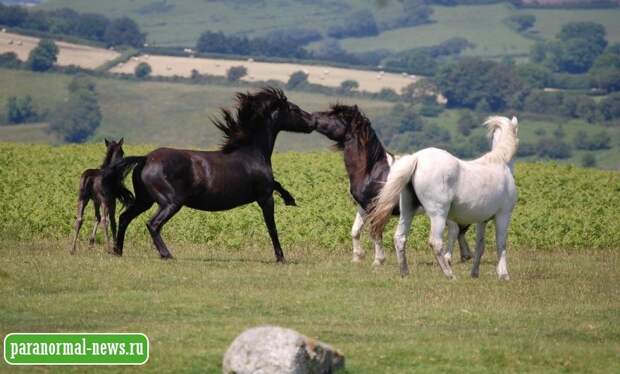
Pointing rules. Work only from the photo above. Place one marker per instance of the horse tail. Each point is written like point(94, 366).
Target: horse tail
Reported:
point(401, 173)
point(114, 175)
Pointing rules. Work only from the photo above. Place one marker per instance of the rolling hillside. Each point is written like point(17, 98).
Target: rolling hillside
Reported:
point(173, 22)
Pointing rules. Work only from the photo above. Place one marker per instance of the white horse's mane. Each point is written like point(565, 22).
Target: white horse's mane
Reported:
point(505, 148)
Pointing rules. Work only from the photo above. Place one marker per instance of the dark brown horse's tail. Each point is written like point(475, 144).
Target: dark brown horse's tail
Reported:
point(114, 175)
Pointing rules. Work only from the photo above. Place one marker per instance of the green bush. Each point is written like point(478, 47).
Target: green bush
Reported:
point(142, 70)
point(43, 56)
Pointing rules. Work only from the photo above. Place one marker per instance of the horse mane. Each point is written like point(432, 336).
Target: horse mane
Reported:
point(508, 142)
point(249, 116)
point(363, 132)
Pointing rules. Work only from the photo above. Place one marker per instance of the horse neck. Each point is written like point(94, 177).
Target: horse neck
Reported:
point(107, 160)
point(363, 167)
point(263, 143)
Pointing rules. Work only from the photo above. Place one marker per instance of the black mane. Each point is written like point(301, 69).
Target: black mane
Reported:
point(252, 110)
point(360, 127)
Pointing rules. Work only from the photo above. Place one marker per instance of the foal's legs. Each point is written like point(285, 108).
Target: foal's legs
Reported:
point(475, 269)
point(407, 212)
point(267, 207)
point(356, 232)
point(78, 221)
point(105, 209)
point(91, 241)
point(502, 221)
point(163, 215)
point(438, 223)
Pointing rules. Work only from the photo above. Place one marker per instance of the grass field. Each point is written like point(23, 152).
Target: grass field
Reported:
point(69, 53)
point(160, 113)
point(558, 313)
point(182, 23)
point(370, 81)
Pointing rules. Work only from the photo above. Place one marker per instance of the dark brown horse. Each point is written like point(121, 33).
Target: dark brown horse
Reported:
point(240, 173)
point(92, 188)
point(368, 165)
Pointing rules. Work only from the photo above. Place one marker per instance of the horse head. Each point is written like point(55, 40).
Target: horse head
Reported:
point(114, 151)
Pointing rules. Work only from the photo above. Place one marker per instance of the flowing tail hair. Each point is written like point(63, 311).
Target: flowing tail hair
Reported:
point(114, 175)
point(381, 208)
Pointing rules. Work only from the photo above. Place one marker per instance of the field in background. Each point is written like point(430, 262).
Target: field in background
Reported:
point(160, 113)
point(371, 81)
point(558, 313)
point(181, 22)
point(70, 54)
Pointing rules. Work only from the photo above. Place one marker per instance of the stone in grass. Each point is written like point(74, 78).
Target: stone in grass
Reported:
point(273, 349)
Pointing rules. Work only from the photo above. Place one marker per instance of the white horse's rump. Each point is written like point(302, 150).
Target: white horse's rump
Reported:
point(466, 192)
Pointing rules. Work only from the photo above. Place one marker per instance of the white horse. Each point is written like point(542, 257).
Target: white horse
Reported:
point(466, 192)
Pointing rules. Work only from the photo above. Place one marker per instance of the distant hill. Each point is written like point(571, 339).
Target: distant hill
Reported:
point(180, 23)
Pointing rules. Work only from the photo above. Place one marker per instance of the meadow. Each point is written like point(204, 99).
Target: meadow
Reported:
point(558, 313)
point(182, 22)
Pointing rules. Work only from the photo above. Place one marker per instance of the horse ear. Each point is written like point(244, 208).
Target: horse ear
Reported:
point(514, 121)
point(120, 142)
point(107, 142)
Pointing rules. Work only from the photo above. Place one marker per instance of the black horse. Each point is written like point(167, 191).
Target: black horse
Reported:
point(240, 173)
point(93, 188)
point(368, 165)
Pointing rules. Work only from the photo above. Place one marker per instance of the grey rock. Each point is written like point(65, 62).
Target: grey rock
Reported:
point(276, 350)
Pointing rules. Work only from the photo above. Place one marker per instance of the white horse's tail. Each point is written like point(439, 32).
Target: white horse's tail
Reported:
point(382, 206)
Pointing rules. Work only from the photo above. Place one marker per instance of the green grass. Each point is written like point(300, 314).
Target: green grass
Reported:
point(558, 313)
point(559, 206)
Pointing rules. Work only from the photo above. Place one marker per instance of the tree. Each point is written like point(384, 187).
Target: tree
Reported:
point(553, 148)
point(124, 31)
point(358, 24)
point(43, 56)
point(535, 75)
point(78, 118)
point(349, 85)
point(521, 22)
point(142, 70)
point(593, 32)
point(588, 160)
point(466, 122)
point(9, 60)
point(609, 107)
point(234, 73)
point(92, 26)
point(297, 79)
point(471, 80)
point(19, 109)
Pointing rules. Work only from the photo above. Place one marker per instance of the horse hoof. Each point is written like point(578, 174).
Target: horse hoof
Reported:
point(465, 258)
point(504, 277)
point(115, 254)
point(378, 262)
point(167, 257)
point(475, 275)
point(280, 260)
point(404, 273)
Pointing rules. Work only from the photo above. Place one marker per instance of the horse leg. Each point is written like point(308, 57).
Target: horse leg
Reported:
point(475, 269)
point(91, 241)
point(284, 194)
point(404, 224)
point(453, 232)
point(356, 231)
point(266, 206)
point(379, 251)
point(463, 246)
point(134, 210)
point(112, 214)
point(438, 223)
point(106, 223)
point(163, 215)
point(502, 221)
point(78, 222)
